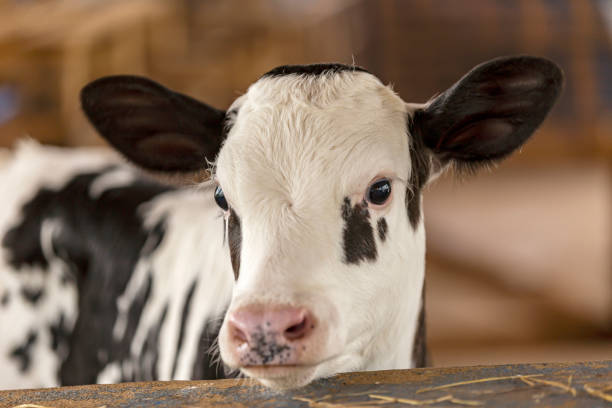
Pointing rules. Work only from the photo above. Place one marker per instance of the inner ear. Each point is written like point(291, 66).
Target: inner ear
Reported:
point(491, 111)
point(177, 151)
point(152, 126)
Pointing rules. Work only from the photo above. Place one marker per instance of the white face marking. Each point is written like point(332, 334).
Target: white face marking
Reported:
point(297, 148)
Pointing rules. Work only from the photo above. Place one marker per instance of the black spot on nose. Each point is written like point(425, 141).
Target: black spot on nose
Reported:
point(421, 168)
point(358, 234)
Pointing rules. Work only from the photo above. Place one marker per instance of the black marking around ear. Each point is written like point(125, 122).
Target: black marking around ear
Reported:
point(152, 126)
point(419, 174)
point(491, 111)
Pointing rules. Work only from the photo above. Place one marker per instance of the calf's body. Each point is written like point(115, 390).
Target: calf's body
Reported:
point(306, 248)
point(90, 290)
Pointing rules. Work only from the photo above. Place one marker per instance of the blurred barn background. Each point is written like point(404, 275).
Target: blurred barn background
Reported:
point(519, 261)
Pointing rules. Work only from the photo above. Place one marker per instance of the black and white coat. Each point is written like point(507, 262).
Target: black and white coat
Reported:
point(91, 289)
point(309, 263)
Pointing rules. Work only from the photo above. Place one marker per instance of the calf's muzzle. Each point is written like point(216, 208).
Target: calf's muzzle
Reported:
point(270, 335)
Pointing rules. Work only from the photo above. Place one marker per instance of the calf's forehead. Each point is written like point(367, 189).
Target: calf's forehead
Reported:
point(290, 131)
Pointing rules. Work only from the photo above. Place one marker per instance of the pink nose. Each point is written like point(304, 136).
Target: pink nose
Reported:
point(270, 335)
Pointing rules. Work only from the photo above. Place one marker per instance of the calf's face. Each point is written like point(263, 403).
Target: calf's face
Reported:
point(314, 172)
point(318, 180)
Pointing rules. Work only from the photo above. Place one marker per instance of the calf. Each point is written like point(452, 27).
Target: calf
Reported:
point(304, 255)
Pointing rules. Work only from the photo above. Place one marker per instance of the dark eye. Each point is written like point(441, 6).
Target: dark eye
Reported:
point(379, 192)
point(220, 198)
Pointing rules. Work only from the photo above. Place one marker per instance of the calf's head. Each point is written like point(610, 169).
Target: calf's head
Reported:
point(319, 171)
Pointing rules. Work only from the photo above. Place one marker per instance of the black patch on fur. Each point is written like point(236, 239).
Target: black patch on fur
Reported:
point(100, 239)
point(91, 228)
point(358, 234)
point(122, 350)
point(420, 356)
point(6, 298)
point(23, 241)
point(234, 237)
point(150, 353)
point(312, 69)
point(207, 365)
point(382, 229)
point(184, 316)
point(32, 295)
point(420, 163)
point(59, 332)
point(22, 353)
point(118, 352)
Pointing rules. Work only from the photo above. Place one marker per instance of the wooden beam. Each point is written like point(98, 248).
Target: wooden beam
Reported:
point(526, 385)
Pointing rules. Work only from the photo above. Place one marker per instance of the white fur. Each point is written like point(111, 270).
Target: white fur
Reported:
point(119, 177)
point(110, 374)
point(297, 147)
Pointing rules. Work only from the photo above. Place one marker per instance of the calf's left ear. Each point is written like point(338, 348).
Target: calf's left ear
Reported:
point(152, 126)
point(489, 112)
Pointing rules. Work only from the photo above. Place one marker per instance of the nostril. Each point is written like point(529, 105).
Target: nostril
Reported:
point(238, 335)
point(296, 329)
point(299, 330)
point(258, 327)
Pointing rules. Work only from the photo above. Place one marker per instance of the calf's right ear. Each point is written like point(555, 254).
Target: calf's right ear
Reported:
point(152, 126)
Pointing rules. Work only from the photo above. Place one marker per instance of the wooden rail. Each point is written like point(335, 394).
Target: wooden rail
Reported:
point(587, 384)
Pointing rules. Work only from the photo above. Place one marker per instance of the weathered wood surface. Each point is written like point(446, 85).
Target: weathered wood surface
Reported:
point(586, 384)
